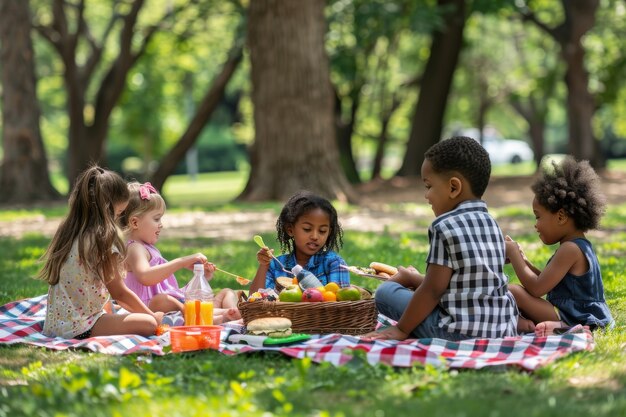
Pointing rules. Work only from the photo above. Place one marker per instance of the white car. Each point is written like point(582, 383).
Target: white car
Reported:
point(501, 150)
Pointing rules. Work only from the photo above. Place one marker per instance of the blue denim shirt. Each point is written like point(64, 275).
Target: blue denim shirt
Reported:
point(324, 265)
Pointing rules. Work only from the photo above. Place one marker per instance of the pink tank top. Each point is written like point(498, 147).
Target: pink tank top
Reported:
point(145, 292)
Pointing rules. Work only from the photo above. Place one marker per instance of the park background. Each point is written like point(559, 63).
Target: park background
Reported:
point(230, 106)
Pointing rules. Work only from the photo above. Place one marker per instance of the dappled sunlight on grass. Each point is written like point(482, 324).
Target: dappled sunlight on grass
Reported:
point(77, 383)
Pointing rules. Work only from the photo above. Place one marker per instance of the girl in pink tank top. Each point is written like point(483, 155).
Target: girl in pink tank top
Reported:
point(149, 275)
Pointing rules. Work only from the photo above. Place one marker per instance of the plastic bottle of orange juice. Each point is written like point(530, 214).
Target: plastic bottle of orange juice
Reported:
point(198, 299)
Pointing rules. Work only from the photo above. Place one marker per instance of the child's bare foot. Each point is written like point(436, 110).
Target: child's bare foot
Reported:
point(525, 326)
point(547, 328)
point(227, 315)
point(232, 314)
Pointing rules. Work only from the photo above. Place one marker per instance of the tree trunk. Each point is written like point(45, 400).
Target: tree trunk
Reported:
point(435, 86)
point(383, 137)
point(579, 19)
point(344, 131)
point(209, 103)
point(295, 146)
point(536, 129)
point(24, 177)
point(580, 102)
point(535, 115)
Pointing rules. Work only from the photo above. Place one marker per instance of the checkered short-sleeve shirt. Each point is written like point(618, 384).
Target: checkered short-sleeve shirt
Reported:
point(477, 302)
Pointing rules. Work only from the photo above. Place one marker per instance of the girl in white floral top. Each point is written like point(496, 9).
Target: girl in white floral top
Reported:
point(84, 265)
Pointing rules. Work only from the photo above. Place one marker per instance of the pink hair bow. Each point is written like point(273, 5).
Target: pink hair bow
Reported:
point(145, 190)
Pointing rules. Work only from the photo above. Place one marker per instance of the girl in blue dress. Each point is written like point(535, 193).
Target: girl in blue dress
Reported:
point(568, 202)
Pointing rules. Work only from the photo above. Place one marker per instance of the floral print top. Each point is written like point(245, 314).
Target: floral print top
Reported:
point(76, 302)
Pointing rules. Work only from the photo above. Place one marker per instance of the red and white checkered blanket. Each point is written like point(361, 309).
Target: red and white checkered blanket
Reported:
point(22, 322)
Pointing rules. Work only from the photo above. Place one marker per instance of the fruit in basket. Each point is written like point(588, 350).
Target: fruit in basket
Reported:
point(291, 294)
point(365, 293)
point(255, 296)
point(312, 295)
point(332, 287)
point(350, 293)
point(329, 296)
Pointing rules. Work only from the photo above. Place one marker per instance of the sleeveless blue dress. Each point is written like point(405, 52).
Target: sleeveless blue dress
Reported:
point(580, 298)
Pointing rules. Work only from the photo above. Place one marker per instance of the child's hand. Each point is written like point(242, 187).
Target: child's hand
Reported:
point(408, 277)
point(264, 256)
point(209, 269)
point(158, 315)
point(196, 258)
point(512, 247)
point(389, 333)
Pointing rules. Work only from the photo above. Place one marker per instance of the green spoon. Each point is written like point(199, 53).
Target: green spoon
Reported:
point(259, 241)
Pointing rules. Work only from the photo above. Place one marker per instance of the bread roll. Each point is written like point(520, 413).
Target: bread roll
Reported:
point(381, 267)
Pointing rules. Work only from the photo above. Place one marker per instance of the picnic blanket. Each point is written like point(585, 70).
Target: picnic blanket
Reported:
point(22, 322)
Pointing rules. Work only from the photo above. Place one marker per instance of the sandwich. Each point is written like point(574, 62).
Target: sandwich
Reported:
point(276, 327)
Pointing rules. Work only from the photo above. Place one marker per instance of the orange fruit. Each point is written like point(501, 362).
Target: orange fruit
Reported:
point(294, 281)
point(332, 287)
point(186, 343)
point(329, 296)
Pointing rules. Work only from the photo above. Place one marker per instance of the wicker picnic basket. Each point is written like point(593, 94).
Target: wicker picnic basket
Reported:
point(345, 317)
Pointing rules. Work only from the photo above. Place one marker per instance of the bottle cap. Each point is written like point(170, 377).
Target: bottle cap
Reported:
point(198, 267)
point(296, 269)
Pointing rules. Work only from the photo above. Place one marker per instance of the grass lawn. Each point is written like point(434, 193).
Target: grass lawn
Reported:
point(39, 382)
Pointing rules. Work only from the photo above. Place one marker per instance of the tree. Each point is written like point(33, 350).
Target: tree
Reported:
point(83, 53)
point(531, 99)
point(363, 38)
point(579, 18)
point(209, 103)
point(492, 73)
point(294, 144)
point(24, 177)
point(435, 86)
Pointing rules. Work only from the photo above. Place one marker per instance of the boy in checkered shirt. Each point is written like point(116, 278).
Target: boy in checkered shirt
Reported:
point(464, 292)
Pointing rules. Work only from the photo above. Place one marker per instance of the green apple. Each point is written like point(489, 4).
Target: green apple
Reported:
point(348, 294)
point(292, 294)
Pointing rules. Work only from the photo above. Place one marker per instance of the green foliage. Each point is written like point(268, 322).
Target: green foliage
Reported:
point(34, 381)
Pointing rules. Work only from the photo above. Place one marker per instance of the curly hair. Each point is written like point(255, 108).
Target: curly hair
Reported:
point(300, 204)
point(465, 156)
point(574, 187)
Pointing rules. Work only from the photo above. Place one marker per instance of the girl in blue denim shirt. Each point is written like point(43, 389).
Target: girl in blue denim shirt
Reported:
point(567, 203)
point(310, 234)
